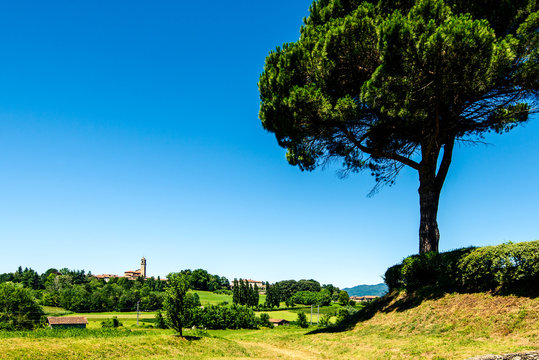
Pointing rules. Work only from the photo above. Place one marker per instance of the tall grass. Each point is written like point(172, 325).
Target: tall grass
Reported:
point(74, 333)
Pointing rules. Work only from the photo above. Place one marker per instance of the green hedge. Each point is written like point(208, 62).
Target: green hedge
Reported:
point(506, 268)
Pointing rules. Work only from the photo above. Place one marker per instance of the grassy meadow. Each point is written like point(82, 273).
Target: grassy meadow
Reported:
point(208, 297)
point(454, 326)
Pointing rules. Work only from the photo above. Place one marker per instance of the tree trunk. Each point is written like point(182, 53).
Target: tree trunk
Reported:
point(429, 196)
point(429, 236)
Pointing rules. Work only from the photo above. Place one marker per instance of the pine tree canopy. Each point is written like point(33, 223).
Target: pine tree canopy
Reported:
point(383, 85)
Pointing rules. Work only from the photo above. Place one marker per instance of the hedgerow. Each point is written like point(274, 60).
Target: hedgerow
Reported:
point(507, 268)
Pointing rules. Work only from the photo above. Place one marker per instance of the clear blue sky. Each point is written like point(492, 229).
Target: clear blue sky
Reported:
point(130, 128)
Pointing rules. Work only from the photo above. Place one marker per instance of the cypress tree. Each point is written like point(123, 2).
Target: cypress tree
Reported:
point(236, 292)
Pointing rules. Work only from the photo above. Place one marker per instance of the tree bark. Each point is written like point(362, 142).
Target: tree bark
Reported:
point(429, 196)
point(429, 235)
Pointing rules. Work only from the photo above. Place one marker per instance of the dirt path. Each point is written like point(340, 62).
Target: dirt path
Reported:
point(269, 351)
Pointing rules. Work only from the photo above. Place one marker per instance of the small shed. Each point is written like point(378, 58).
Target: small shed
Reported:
point(67, 322)
point(279, 322)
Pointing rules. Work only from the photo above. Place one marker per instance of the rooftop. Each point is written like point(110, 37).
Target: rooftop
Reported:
point(67, 320)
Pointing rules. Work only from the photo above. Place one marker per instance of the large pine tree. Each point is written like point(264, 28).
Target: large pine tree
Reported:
point(385, 84)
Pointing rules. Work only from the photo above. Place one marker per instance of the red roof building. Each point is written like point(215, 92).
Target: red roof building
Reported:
point(64, 322)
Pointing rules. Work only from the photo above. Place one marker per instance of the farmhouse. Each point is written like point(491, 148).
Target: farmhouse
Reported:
point(129, 275)
point(106, 277)
point(67, 322)
point(279, 322)
point(260, 284)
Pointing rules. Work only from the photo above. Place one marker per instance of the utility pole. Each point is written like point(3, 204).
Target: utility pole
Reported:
point(137, 311)
point(318, 315)
point(311, 314)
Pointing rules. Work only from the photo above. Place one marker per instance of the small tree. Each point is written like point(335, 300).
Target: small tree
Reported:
point(160, 320)
point(325, 320)
point(255, 296)
point(236, 292)
point(111, 323)
point(302, 320)
point(343, 298)
point(264, 320)
point(272, 297)
point(177, 304)
point(289, 302)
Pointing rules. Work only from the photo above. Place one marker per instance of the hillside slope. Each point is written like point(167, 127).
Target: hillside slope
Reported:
point(455, 326)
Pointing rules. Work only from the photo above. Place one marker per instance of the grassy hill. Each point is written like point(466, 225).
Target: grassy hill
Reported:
point(367, 290)
point(398, 326)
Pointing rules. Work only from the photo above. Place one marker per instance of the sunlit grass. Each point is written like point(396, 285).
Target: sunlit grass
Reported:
point(453, 327)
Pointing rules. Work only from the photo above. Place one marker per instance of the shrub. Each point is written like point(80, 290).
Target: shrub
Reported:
point(325, 320)
point(393, 277)
point(420, 270)
point(223, 292)
point(264, 320)
point(345, 316)
point(224, 317)
point(160, 321)
point(302, 320)
point(506, 268)
point(343, 298)
point(113, 322)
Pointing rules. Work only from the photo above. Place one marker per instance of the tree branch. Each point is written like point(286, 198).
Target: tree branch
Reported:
point(444, 165)
point(377, 152)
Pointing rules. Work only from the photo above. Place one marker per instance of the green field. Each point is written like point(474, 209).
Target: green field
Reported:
point(455, 326)
point(208, 297)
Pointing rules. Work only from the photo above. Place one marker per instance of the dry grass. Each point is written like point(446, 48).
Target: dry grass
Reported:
point(451, 327)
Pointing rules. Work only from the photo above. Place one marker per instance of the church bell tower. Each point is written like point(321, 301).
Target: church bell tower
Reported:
point(143, 267)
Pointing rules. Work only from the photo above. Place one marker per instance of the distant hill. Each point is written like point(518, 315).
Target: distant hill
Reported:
point(363, 290)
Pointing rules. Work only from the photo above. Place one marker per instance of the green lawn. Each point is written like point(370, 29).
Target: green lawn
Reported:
point(208, 297)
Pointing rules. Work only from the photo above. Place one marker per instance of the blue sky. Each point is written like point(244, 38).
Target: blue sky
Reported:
point(131, 128)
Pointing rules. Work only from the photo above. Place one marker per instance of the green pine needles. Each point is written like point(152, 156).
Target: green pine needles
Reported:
point(380, 85)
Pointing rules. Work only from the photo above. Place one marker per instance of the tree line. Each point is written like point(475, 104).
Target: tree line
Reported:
point(305, 292)
point(24, 291)
point(76, 290)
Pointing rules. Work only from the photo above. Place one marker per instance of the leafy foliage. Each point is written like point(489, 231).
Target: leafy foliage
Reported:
point(18, 307)
point(322, 297)
point(223, 317)
point(245, 294)
point(160, 322)
point(178, 304)
point(112, 322)
point(302, 320)
point(285, 290)
point(343, 298)
point(264, 320)
point(272, 296)
point(506, 268)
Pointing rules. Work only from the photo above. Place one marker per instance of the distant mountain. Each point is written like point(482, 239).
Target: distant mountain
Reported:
point(363, 290)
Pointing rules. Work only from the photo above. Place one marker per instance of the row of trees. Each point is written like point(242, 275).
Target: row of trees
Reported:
point(29, 278)
point(245, 294)
point(307, 292)
point(201, 279)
